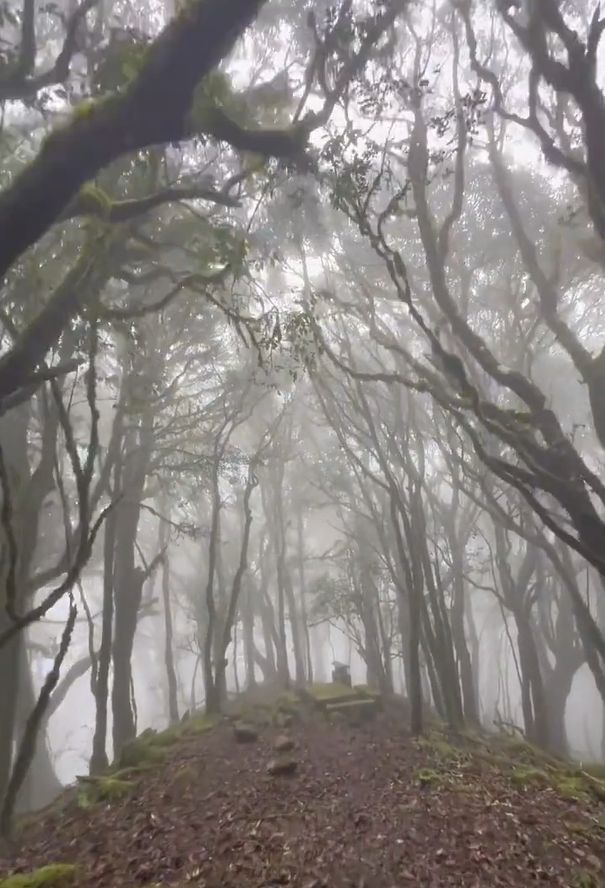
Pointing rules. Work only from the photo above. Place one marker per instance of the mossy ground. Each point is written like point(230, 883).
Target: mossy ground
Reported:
point(586, 879)
point(428, 777)
point(437, 744)
point(357, 786)
point(102, 789)
point(329, 691)
point(55, 875)
point(528, 766)
point(149, 748)
point(198, 724)
point(139, 757)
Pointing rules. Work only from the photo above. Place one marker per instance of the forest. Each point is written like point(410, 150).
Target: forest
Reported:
point(302, 396)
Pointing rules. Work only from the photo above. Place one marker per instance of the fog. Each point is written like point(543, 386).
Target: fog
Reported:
point(302, 363)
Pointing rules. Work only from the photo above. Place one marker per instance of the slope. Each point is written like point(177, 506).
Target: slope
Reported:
point(360, 804)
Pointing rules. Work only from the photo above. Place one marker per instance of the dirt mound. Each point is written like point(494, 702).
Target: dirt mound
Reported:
point(366, 806)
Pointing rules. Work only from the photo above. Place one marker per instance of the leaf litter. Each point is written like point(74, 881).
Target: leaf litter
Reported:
point(366, 807)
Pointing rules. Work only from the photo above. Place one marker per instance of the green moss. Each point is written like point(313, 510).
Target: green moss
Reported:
point(327, 691)
point(253, 712)
point(199, 724)
point(134, 771)
point(85, 109)
point(214, 92)
point(357, 709)
point(55, 875)
point(595, 769)
point(364, 690)
point(168, 737)
point(567, 783)
point(570, 787)
point(92, 200)
point(102, 789)
point(287, 702)
point(261, 716)
point(144, 749)
point(428, 777)
point(436, 744)
point(519, 750)
point(585, 879)
point(593, 785)
point(524, 777)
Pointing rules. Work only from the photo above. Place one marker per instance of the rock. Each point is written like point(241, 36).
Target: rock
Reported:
point(283, 743)
point(245, 733)
point(282, 766)
point(354, 709)
point(284, 719)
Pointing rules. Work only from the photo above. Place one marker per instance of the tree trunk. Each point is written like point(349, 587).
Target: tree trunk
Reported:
point(366, 605)
point(534, 703)
point(248, 637)
point(124, 722)
point(98, 759)
point(10, 661)
point(475, 650)
point(171, 680)
point(236, 680)
point(286, 592)
point(267, 614)
point(465, 665)
point(212, 703)
point(302, 585)
point(41, 784)
point(410, 606)
point(25, 502)
point(236, 590)
point(270, 634)
point(128, 580)
point(557, 695)
point(31, 730)
point(295, 629)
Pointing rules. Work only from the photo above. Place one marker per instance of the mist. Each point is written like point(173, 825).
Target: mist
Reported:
point(302, 364)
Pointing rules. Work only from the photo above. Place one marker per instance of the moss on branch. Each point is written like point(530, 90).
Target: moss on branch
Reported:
point(154, 109)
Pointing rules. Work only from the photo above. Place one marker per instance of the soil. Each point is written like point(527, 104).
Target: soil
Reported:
point(367, 807)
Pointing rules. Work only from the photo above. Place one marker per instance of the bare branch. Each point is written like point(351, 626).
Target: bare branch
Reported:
point(22, 86)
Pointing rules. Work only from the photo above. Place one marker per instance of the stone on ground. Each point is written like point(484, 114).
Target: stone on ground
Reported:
point(282, 766)
point(245, 733)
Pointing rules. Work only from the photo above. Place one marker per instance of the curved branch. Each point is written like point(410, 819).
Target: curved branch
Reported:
point(21, 86)
point(578, 78)
point(29, 350)
point(89, 204)
point(551, 151)
point(153, 110)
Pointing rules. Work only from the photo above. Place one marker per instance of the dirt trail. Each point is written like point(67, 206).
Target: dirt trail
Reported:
point(366, 807)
